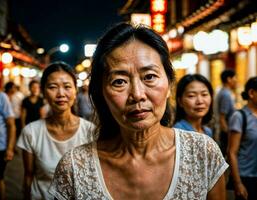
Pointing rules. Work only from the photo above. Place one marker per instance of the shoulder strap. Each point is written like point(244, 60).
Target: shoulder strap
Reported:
point(244, 121)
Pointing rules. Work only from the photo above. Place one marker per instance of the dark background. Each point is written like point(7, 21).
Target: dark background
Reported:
point(53, 22)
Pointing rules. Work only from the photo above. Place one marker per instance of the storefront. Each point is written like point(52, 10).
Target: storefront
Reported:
point(17, 66)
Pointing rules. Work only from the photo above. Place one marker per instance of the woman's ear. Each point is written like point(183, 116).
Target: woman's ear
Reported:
point(251, 93)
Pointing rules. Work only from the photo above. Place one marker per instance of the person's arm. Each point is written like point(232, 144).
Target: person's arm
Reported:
point(218, 192)
point(234, 143)
point(11, 135)
point(28, 162)
point(216, 168)
point(23, 117)
point(223, 123)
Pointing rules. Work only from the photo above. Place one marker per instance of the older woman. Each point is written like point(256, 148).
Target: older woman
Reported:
point(137, 155)
point(45, 141)
point(194, 97)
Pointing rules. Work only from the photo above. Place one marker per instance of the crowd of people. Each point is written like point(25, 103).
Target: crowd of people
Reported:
point(120, 138)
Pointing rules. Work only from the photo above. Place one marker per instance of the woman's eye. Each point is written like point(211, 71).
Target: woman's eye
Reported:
point(191, 96)
point(205, 94)
point(149, 77)
point(118, 82)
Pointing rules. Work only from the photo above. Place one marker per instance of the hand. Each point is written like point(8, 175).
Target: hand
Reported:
point(241, 191)
point(9, 155)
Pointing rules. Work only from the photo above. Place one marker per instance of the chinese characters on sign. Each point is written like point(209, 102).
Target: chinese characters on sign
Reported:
point(158, 11)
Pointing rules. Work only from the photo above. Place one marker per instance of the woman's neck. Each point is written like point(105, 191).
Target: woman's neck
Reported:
point(196, 124)
point(62, 119)
point(145, 143)
point(252, 107)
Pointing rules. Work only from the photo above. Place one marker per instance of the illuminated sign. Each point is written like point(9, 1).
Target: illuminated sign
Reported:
point(158, 11)
point(159, 6)
point(141, 18)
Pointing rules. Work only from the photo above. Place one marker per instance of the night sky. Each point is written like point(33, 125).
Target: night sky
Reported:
point(77, 22)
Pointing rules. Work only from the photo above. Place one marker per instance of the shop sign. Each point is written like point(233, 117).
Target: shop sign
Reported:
point(159, 6)
point(141, 18)
point(158, 11)
point(1, 67)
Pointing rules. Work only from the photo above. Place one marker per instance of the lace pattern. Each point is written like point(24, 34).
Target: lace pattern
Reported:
point(77, 176)
point(200, 165)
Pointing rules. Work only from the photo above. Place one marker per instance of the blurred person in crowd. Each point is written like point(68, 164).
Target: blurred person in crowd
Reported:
point(10, 89)
point(194, 100)
point(138, 155)
point(16, 97)
point(85, 109)
point(225, 106)
point(7, 138)
point(32, 105)
point(242, 151)
point(45, 141)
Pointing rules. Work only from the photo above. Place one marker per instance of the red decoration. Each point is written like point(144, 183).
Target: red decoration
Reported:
point(158, 10)
point(1, 67)
point(158, 6)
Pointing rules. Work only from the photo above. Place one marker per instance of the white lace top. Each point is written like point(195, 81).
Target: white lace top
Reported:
point(199, 164)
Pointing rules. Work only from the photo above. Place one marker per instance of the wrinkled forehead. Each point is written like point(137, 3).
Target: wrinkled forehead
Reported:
point(133, 51)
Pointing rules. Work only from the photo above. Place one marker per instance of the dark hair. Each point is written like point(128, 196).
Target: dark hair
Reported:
point(181, 86)
point(227, 73)
point(250, 84)
point(8, 86)
point(32, 82)
point(115, 37)
point(56, 67)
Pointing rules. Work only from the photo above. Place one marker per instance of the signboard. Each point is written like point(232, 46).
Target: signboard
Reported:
point(158, 19)
point(141, 18)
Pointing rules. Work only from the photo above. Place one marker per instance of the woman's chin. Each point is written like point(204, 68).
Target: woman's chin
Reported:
point(140, 125)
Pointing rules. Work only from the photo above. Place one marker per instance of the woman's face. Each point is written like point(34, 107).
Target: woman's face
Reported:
point(60, 91)
point(35, 89)
point(195, 100)
point(136, 86)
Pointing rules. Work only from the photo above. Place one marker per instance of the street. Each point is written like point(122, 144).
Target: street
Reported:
point(14, 177)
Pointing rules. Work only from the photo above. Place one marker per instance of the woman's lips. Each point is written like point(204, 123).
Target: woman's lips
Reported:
point(200, 109)
point(60, 102)
point(138, 114)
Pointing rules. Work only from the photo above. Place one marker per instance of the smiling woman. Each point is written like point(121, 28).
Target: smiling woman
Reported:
point(45, 141)
point(60, 91)
point(138, 155)
point(194, 99)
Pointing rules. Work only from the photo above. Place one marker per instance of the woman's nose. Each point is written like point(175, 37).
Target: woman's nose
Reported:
point(199, 99)
point(60, 91)
point(138, 91)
